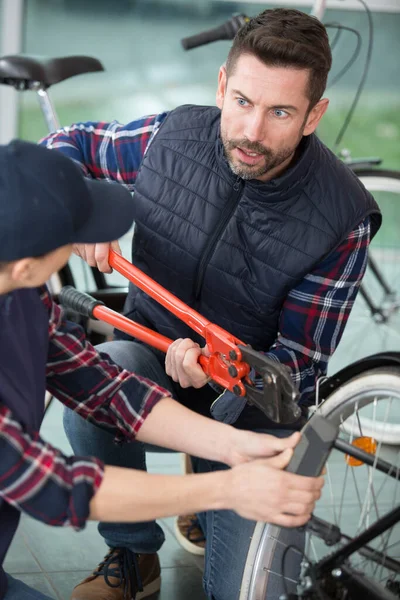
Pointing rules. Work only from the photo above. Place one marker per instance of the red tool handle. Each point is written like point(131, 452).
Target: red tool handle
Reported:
point(217, 339)
point(192, 318)
point(140, 332)
point(214, 366)
point(224, 364)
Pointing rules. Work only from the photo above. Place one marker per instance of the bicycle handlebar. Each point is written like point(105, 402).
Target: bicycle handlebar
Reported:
point(226, 31)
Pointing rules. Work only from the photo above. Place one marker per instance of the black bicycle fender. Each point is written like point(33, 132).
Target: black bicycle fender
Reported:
point(330, 385)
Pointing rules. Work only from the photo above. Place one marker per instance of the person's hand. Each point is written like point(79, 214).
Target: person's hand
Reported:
point(181, 363)
point(96, 255)
point(262, 491)
point(247, 445)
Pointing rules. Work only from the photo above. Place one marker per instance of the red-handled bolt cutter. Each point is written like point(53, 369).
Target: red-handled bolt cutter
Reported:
point(230, 360)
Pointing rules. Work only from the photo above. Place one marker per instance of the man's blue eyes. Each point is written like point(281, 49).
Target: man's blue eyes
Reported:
point(277, 112)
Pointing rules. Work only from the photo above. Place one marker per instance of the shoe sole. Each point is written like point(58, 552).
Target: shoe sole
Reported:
point(150, 589)
point(186, 544)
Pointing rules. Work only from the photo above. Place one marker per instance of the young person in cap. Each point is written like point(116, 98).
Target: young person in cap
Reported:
point(46, 205)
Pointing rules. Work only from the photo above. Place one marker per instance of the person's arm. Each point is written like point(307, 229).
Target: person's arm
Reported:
point(259, 490)
point(110, 151)
point(129, 406)
point(174, 426)
point(315, 313)
point(38, 479)
point(311, 323)
point(90, 383)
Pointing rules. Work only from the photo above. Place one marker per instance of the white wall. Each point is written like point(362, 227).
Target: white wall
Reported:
point(377, 5)
point(11, 19)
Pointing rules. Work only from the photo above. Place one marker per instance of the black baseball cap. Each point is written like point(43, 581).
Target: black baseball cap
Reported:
point(46, 202)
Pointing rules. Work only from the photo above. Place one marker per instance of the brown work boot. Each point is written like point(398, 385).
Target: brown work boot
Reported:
point(190, 535)
point(122, 575)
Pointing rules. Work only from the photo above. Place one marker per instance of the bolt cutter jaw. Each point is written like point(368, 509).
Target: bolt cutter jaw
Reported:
point(278, 398)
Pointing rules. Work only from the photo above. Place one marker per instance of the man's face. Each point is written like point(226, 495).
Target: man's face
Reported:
point(265, 113)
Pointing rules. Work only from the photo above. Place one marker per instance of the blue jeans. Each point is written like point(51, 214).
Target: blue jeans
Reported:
point(228, 535)
point(20, 591)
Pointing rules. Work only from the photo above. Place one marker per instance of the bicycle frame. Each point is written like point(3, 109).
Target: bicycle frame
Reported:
point(318, 9)
point(46, 106)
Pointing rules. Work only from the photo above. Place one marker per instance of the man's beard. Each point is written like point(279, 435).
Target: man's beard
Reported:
point(270, 161)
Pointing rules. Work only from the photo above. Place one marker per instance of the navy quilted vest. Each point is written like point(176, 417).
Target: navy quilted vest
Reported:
point(233, 249)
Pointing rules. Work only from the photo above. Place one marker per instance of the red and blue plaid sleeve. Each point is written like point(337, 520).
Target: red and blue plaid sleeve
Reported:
point(315, 313)
point(110, 151)
point(37, 479)
point(91, 384)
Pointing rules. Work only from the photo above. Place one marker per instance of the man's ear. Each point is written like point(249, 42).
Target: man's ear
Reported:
point(315, 115)
point(221, 90)
point(22, 270)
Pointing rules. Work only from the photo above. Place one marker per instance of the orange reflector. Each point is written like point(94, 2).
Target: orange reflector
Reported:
point(365, 443)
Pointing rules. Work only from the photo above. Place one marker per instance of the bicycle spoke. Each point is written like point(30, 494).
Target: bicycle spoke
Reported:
point(359, 424)
point(372, 470)
point(343, 492)
point(393, 505)
point(383, 548)
point(364, 517)
point(331, 495)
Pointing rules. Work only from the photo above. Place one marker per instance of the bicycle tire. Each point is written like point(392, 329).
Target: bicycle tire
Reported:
point(360, 391)
point(366, 334)
point(375, 176)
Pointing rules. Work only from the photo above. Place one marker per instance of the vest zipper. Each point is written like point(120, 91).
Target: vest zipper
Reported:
point(209, 249)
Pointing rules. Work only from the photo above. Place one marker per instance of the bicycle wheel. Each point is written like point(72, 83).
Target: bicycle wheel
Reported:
point(367, 333)
point(353, 498)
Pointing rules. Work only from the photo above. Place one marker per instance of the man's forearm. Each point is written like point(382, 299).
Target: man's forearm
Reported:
point(127, 495)
point(174, 426)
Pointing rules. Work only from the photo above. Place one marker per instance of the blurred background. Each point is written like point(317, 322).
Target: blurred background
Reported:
point(138, 41)
point(147, 70)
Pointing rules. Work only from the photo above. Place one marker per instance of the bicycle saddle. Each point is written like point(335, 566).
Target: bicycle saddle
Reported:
point(21, 70)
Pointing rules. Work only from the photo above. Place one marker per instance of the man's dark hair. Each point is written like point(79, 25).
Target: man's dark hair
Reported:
point(286, 38)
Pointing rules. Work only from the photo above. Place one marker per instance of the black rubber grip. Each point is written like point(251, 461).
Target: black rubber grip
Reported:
point(312, 452)
point(226, 31)
point(79, 302)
